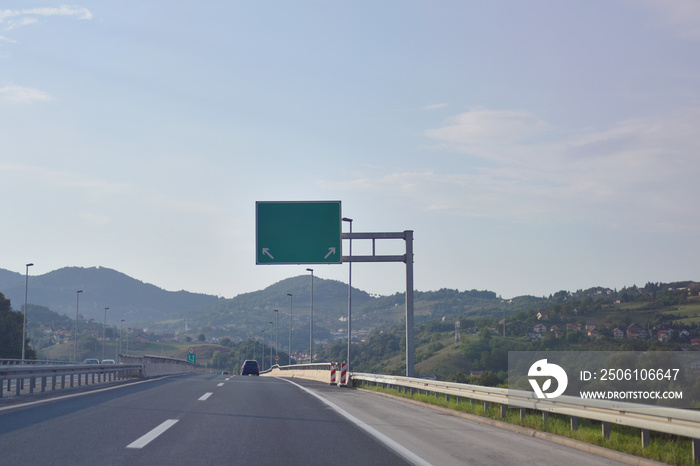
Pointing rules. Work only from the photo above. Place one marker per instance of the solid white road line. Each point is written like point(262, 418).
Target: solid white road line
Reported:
point(399, 449)
point(205, 396)
point(90, 392)
point(146, 439)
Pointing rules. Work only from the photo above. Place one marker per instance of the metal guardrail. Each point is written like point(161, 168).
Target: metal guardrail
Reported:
point(14, 362)
point(681, 422)
point(21, 379)
point(25, 378)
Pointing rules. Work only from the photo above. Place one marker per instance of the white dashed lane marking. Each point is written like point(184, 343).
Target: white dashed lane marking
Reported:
point(152, 435)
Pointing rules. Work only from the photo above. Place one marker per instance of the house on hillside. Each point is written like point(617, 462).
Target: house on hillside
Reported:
point(540, 329)
point(618, 333)
point(543, 315)
point(634, 331)
point(573, 327)
point(594, 333)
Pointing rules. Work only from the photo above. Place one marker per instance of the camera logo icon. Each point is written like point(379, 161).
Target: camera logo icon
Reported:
point(541, 369)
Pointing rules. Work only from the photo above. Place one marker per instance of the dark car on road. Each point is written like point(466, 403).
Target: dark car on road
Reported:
point(250, 367)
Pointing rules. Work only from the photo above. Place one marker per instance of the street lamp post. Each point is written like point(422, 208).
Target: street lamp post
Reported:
point(104, 334)
point(262, 349)
point(24, 324)
point(271, 325)
point(121, 328)
point(77, 302)
point(311, 325)
point(290, 327)
point(277, 321)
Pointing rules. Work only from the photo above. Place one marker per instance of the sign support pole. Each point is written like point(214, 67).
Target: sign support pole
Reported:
point(407, 258)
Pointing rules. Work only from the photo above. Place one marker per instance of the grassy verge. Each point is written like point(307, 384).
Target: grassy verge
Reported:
point(667, 448)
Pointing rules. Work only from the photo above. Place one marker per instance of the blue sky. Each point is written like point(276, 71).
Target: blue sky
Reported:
point(531, 146)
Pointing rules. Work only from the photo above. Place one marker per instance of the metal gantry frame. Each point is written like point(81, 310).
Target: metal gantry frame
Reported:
point(407, 236)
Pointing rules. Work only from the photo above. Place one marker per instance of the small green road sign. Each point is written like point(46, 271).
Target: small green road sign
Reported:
point(298, 232)
point(192, 358)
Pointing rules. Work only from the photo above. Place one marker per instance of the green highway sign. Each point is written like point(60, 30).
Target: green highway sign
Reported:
point(298, 232)
point(192, 358)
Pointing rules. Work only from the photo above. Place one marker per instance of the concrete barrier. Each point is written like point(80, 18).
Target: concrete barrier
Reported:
point(320, 372)
point(154, 366)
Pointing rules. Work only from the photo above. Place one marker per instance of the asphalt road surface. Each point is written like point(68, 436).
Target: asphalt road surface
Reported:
point(216, 419)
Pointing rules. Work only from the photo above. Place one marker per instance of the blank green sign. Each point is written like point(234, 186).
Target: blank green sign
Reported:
point(298, 232)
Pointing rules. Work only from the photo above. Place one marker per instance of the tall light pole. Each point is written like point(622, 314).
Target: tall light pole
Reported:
point(311, 325)
point(271, 325)
point(290, 327)
point(121, 328)
point(24, 325)
point(262, 349)
point(349, 220)
point(77, 302)
point(277, 321)
point(104, 334)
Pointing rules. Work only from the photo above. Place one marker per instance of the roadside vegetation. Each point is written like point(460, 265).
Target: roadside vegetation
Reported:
point(663, 447)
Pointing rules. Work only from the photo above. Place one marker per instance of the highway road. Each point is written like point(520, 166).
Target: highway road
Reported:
point(217, 419)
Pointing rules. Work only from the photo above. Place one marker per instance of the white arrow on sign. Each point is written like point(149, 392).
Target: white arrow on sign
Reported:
point(330, 251)
point(266, 251)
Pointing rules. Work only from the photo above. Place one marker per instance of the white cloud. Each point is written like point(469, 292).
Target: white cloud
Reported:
point(490, 134)
point(12, 19)
point(96, 219)
point(641, 173)
point(185, 206)
point(37, 175)
point(435, 106)
point(681, 17)
point(63, 10)
point(23, 95)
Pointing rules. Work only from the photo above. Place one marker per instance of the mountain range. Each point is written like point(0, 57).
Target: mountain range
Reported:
point(142, 305)
point(146, 305)
point(126, 297)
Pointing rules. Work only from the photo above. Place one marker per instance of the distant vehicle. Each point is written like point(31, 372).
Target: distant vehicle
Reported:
point(108, 361)
point(250, 367)
point(226, 373)
point(91, 361)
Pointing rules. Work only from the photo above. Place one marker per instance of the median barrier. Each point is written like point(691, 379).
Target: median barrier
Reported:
point(154, 366)
point(29, 378)
point(320, 372)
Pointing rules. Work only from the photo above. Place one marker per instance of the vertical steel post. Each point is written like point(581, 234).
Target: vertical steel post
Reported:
point(24, 323)
point(291, 298)
point(349, 220)
point(311, 325)
point(409, 302)
point(104, 334)
point(77, 303)
point(277, 321)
